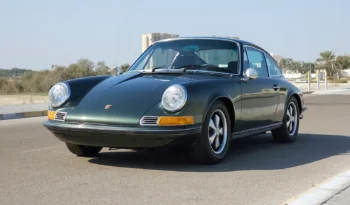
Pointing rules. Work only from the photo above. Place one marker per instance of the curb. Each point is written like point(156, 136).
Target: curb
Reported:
point(12, 116)
point(325, 191)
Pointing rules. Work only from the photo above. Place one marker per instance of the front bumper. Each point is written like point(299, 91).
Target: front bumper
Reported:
point(123, 137)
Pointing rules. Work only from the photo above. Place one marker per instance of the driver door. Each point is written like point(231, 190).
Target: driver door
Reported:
point(259, 97)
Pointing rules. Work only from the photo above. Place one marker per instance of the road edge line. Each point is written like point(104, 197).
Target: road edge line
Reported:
point(11, 116)
point(324, 191)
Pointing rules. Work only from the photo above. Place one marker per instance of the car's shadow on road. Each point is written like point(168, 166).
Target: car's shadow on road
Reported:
point(256, 153)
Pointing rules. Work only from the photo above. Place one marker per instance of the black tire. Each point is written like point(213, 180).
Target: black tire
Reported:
point(202, 150)
point(83, 151)
point(284, 134)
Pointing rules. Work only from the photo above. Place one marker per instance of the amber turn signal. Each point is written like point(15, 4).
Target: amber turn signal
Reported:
point(172, 121)
point(51, 114)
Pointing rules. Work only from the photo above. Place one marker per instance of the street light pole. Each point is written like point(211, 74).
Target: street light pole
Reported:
point(325, 80)
point(318, 79)
point(309, 79)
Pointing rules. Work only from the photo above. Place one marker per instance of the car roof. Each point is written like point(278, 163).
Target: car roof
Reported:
point(213, 38)
point(242, 42)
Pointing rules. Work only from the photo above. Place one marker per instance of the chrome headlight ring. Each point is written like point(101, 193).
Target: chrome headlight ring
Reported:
point(174, 98)
point(59, 94)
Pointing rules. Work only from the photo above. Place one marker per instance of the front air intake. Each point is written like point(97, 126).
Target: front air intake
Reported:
point(149, 120)
point(60, 116)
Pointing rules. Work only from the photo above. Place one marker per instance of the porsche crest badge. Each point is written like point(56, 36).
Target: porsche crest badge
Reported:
point(107, 107)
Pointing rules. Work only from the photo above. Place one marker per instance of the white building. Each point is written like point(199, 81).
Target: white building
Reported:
point(149, 38)
point(233, 37)
point(276, 57)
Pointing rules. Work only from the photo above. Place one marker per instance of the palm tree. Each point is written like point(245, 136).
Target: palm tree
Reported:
point(326, 62)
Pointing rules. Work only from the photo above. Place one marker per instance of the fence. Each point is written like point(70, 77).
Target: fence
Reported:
point(318, 80)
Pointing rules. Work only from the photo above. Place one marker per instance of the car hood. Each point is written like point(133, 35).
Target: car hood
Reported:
point(128, 97)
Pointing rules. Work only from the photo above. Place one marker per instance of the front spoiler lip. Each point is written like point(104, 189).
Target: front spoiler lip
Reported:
point(139, 130)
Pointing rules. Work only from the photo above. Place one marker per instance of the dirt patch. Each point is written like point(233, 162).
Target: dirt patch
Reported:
point(22, 99)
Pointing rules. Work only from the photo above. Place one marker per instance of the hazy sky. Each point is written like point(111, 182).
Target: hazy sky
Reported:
point(35, 34)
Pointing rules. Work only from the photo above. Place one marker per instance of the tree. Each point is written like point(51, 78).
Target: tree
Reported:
point(83, 68)
point(102, 68)
point(285, 63)
point(125, 66)
point(326, 62)
point(342, 62)
point(309, 66)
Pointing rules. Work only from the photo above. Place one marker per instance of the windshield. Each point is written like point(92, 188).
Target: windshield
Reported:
point(202, 54)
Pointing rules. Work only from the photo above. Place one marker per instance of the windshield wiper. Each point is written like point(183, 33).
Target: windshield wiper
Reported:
point(183, 68)
point(191, 66)
point(153, 69)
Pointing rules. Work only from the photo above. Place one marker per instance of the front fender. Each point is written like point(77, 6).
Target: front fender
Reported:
point(79, 87)
point(201, 97)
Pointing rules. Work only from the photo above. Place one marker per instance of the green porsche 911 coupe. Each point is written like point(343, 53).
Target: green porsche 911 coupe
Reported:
point(198, 93)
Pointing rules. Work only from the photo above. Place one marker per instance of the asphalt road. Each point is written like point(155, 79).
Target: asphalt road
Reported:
point(36, 168)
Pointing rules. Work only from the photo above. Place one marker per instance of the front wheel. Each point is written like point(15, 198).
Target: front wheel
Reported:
point(213, 143)
point(83, 151)
point(288, 132)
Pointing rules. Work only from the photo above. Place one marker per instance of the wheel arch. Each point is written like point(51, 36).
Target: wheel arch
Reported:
point(229, 105)
point(297, 97)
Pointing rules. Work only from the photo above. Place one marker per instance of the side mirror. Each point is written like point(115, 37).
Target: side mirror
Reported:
point(251, 73)
point(117, 71)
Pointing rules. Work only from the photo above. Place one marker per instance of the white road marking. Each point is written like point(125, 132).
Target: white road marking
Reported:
point(324, 191)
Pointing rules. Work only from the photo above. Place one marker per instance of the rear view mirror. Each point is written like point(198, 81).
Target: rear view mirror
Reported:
point(117, 71)
point(251, 73)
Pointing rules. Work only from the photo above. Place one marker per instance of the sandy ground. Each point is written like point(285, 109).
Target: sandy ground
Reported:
point(22, 99)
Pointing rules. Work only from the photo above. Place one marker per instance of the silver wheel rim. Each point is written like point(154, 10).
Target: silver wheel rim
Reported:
point(217, 131)
point(292, 118)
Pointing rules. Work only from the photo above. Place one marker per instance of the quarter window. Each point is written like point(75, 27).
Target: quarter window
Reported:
point(257, 61)
point(272, 66)
point(245, 62)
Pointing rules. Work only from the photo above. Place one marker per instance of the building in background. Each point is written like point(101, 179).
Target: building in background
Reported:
point(277, 58)
point(149, 38)
point(233, 37)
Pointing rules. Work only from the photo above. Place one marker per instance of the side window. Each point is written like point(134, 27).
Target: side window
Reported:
point(257, 61)
point(272, 66)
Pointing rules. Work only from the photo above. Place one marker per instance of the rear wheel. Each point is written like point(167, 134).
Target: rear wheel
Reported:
point(212, 145)
point(84, 151)
point(288, 132)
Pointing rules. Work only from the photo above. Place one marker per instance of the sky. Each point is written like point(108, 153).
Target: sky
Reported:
point(36, 34)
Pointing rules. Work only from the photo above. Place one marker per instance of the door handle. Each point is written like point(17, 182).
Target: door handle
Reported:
point(244, 79)
point(276, 87)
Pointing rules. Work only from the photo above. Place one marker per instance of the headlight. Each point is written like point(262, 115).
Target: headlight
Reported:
point(59, 94)
point(174, 98)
